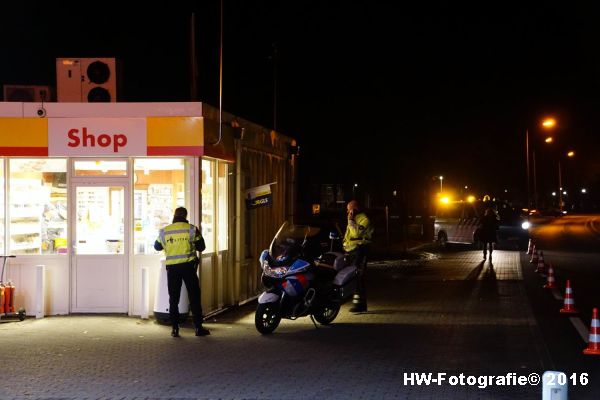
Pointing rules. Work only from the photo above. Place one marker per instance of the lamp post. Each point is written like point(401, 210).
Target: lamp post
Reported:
point(441, 184)
point(548, 123)
point(561, 204)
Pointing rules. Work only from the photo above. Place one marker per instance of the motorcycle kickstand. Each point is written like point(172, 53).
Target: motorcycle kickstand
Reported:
point(313, 321)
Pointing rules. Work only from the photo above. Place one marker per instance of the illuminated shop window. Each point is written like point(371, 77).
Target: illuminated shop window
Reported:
point(208, 204)
point(2, 248)
point(159, 188)
point(222, 205)
point(38, 206)
point(215, 207)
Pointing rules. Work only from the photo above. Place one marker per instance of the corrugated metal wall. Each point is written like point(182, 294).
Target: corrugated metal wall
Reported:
point(260, 168)
point(264, 157)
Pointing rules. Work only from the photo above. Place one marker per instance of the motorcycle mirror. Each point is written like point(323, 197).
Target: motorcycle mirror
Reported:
point(263, 256)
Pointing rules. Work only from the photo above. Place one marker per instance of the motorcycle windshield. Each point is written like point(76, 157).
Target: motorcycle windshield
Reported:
point(291, 241)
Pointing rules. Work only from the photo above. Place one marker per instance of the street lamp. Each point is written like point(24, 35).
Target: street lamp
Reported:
point(548, 123)
point(441, 184)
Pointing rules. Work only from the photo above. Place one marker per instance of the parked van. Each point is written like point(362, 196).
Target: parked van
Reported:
point(458, 222)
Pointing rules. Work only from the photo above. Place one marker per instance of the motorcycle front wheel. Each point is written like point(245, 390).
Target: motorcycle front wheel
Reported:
point(327, 314)
point(267, 317)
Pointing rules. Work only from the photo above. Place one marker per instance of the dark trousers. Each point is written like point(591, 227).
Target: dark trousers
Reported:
point(176, 274)
point(358, 257)
point(487, 245)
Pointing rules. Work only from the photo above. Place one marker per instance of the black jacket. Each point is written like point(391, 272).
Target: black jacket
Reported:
point(488, 228)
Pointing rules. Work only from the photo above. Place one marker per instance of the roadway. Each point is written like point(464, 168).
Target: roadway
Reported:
point(572, 245)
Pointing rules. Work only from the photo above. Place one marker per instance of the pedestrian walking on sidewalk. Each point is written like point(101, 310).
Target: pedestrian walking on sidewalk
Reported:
point(356, 244)
point(488, 231)
point(180, 241)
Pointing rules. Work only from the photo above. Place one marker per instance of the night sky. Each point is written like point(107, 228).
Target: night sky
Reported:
point(381, 94)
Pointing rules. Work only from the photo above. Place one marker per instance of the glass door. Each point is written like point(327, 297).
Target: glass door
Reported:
point(100, 246)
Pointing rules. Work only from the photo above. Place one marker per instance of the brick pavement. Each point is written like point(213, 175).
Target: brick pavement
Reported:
point(448, 314)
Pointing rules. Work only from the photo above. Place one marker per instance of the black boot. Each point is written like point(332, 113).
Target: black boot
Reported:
point(359, 303)
point(175, 331)
point(200, 331)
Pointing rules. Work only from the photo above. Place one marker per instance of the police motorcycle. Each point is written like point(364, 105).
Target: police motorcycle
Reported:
point(300, 279)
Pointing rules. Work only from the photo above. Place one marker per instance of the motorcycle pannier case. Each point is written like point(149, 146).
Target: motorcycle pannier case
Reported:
point(346, 281)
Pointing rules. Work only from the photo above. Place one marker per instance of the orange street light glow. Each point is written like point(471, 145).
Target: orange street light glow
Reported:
point(549, 139)
point(549, 123)
point(471, 199)
point(571, 154)
point(445, 200)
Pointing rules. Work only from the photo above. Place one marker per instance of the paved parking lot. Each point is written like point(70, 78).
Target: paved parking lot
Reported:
point(450, 315)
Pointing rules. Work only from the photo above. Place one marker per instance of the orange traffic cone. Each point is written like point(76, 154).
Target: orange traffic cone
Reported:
point(550, 282)
point(569, 303)
point(594, 342)
point(530, 247)
point(541, 266)
point(534, 256)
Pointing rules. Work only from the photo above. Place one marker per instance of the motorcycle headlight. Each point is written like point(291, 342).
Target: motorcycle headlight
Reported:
point(275, 272)
point(526, 225)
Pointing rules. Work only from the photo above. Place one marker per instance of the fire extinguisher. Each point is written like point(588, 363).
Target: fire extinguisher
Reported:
point(9, 303)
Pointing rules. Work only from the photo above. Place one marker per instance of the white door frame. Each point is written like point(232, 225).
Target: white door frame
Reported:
point(101, 181)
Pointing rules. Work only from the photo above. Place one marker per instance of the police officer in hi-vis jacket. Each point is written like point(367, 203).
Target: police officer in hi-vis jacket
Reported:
point(356, 244)
point(180, 241)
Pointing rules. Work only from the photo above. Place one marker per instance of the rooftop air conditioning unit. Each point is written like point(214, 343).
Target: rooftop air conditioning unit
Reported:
point(86, 80)
point(28, 93)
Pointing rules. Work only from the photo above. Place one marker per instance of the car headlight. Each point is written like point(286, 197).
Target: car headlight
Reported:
point(525, 225)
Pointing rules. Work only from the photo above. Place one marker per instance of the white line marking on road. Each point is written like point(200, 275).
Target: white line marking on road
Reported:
point(583, 332)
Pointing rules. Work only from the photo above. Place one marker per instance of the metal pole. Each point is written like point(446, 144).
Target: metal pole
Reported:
point(535, 192)
point(221, 77)
point(193, 60)
point(560, 189)
point(527, 164)
point(387, 226)
point(275, 55)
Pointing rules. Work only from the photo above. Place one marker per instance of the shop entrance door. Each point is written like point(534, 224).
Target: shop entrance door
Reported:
point(100, 246)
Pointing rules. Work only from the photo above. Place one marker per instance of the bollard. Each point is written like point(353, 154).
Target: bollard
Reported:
point(145, 293)
point(40, 284)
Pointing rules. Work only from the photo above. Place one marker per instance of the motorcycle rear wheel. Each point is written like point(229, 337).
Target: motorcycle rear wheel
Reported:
point(327, 314)
point(267, 318)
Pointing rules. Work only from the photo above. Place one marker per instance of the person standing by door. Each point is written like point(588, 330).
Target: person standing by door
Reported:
point(180, 241)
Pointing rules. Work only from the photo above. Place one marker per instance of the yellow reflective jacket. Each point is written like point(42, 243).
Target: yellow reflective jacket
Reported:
point(358, 232)
point(178, 241)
